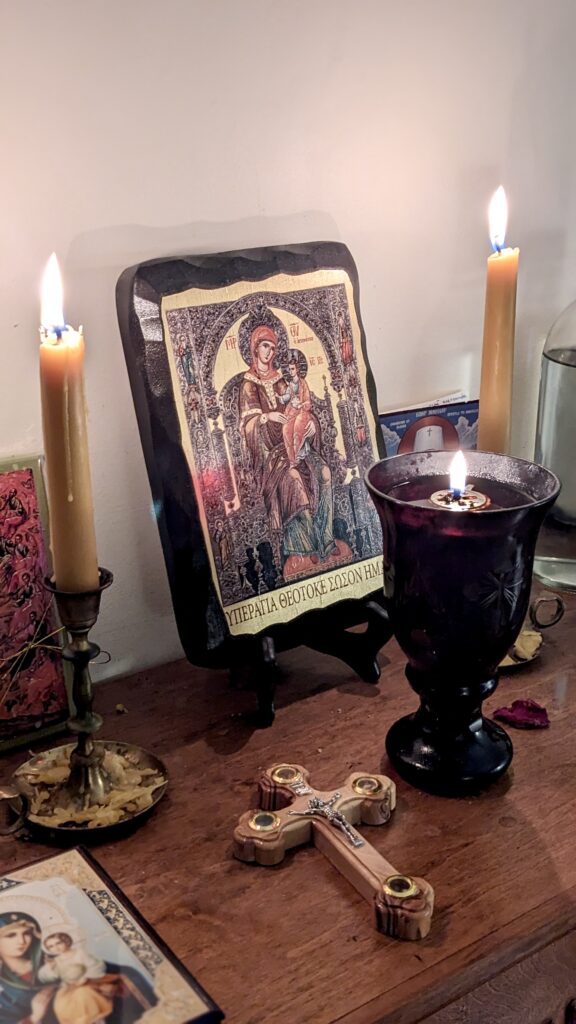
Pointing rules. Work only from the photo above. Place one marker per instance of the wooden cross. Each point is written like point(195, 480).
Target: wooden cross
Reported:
point(292, 813)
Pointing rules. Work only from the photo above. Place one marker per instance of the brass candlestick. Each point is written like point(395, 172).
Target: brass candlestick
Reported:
point(95, 786)
point(88, 782)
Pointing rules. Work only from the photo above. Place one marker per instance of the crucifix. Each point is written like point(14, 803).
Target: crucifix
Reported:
point(292, 812)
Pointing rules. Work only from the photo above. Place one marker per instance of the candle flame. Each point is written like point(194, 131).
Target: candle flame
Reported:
point(498, 219)
point(52, 314)
point(458, 470)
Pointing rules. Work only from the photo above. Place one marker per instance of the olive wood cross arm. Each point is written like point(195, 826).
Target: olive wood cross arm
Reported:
point(293, 813)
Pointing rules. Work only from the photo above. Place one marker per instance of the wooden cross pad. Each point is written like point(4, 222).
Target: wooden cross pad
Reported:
point(292, 813)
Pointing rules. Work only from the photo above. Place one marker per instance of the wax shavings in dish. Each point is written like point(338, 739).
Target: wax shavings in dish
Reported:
point(134, 787)
point(526, 648)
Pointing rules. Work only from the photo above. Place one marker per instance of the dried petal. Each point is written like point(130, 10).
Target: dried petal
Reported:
point(524, 714)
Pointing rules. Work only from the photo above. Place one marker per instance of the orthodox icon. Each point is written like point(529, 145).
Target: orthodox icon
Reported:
point(33, 694)
point(72, 948)
point(431, 428)
point(258, 360)
point(273, 422)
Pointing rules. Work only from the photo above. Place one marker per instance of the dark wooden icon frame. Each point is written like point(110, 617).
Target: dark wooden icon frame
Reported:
point(142, 293)
point(71, 892)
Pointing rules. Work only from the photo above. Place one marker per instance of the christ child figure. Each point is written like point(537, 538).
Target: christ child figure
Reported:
point(299, 425)
point(79, 997)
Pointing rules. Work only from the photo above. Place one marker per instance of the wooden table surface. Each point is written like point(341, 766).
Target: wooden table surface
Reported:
point(296, 943)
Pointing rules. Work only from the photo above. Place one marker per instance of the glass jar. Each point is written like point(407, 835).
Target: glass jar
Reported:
point(555, 562)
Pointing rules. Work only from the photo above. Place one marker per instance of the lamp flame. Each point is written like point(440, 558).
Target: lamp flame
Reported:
point(498, 219)
point(52, 313)
point(458, 469)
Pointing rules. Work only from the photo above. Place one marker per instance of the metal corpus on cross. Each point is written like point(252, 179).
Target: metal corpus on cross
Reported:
point(293, 813)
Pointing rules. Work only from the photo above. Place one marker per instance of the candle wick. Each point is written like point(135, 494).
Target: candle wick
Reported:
point(52, 334)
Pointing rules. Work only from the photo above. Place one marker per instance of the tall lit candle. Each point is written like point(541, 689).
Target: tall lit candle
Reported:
point(499, 327)
point(73, 540)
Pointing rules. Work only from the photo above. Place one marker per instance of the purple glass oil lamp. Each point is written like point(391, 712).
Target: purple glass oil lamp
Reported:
point(457, 574)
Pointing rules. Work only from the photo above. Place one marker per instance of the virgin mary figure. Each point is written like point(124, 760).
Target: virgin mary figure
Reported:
point(298, 498)
point(25, 998)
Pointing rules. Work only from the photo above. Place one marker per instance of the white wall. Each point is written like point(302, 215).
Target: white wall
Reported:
point(132, 129)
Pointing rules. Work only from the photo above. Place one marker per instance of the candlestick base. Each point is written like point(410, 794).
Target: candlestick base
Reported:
point(83, 786)
point(57, 812)
point(88, 783)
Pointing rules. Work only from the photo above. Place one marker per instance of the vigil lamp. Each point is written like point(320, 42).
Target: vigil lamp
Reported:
point(457, 575)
